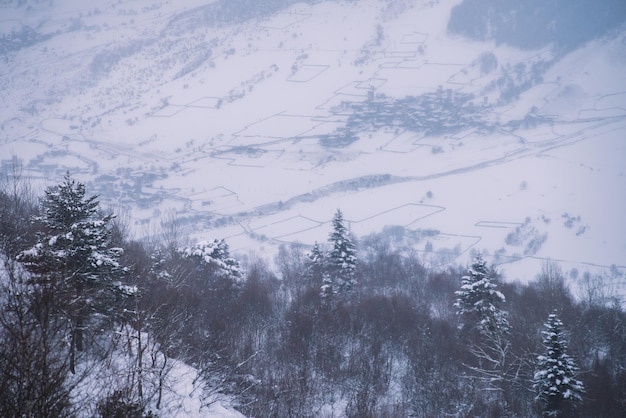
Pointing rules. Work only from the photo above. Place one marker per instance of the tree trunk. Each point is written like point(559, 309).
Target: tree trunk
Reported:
point(73, 351)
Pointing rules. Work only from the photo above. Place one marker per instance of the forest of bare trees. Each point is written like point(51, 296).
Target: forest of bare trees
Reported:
point(353, 327)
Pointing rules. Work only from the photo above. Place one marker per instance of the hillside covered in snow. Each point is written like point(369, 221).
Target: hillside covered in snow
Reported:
point(443, 129)
point(253, 121)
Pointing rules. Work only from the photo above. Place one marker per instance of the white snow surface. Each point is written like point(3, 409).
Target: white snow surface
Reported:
point(182, 395)
point(221, 125)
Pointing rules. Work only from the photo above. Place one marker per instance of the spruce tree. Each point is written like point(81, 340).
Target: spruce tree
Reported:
point(341, 259)
point(74, 259)
point(479, 304)
point(479, 301)
point(327, 290)
point(555, 377)
point(314, 265)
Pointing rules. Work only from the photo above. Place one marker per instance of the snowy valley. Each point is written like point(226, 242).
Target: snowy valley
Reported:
point(256, 130)
point(252, 122)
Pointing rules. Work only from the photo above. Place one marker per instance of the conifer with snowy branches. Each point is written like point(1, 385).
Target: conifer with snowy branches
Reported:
point(215, 255)
point(74, 258)
point(314, 265)
point(479, 302)
point(341, 259)
point(207, 281)
point(555, 375)
point(326, 290)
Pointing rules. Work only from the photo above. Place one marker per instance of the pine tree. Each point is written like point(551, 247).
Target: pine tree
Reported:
point(74, 258)
point(555, 375)
point(210, 281)
point(341, 259)
point(215, 256)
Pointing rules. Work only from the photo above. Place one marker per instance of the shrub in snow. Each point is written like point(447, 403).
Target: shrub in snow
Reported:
point(117, 405)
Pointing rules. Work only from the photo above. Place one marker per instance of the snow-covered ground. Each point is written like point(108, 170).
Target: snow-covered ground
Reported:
point(231, 127)
point(181, 394)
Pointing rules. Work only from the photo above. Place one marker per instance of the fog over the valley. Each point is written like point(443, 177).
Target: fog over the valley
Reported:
point(233, 133)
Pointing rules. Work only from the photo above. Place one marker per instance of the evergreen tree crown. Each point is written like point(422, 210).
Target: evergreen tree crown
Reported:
point(479, 298)
point(555, 375)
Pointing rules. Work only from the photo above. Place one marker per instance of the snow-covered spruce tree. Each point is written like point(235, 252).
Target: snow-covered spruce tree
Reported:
point(555, 377)
point(314, 265)
point(479, 304)
point(326, 289)
point(74, 259)
point(341, 259)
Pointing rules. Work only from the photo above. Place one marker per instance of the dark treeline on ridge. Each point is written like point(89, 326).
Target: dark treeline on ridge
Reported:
point(344, 328)
point(530, 24)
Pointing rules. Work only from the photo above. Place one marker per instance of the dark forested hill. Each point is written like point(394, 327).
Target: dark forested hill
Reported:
point(534, 23)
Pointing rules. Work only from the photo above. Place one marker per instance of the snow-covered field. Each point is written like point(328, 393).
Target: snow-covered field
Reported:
point(249, 132)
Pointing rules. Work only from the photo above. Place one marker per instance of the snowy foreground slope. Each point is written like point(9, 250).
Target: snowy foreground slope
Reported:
point(253, 129)
point(182, 395)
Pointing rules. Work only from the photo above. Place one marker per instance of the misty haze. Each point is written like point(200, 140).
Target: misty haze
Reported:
point(341, 208)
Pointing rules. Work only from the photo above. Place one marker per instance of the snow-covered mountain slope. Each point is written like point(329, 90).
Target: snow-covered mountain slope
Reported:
point(257, 129)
